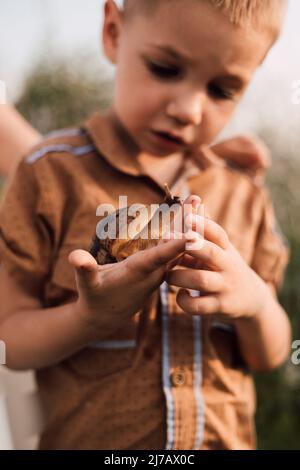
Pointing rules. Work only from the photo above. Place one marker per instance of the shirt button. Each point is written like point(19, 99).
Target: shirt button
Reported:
point(178, 378)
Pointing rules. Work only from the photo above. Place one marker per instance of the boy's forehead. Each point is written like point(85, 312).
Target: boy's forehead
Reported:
point(200, 34)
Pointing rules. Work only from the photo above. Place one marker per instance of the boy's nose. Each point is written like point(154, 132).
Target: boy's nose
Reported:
point(187, 109)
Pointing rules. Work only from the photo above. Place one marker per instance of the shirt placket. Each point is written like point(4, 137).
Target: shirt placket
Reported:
point(181, 374)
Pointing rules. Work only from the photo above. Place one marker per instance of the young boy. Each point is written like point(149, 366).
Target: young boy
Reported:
point(123, 359)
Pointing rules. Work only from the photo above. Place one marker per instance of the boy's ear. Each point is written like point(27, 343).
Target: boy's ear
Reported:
point(111, 30)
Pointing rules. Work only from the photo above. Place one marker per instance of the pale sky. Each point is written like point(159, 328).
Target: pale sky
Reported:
point(73, 26)
point(30, 28)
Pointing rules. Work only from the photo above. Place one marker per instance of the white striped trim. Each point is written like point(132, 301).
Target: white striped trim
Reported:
point(200, 414)
point(72, 132)
point(167, 388)
point(77, 151)
point(197, 367)
point(124, 344)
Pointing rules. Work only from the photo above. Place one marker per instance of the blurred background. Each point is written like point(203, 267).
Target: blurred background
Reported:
point(55, 74)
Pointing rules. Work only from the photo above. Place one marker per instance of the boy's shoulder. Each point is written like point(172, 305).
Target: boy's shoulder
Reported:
point(243, 205)
point(239, 192)
point(230, 179)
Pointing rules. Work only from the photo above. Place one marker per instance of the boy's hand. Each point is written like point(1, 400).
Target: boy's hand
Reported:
point(109, 295)
point(227, 285)
point(247, 152)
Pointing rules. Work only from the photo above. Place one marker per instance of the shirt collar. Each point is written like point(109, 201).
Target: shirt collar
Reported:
point(109, 144)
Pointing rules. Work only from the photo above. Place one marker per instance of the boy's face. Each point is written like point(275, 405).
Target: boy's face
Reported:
point(180, 72)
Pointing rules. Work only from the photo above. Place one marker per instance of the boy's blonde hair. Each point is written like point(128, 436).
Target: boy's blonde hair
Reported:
point(261, 14)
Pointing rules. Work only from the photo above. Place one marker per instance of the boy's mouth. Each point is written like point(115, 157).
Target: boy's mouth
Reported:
point(168, 140)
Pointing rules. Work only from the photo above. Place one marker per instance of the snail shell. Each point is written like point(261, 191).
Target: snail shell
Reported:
point(149, 230)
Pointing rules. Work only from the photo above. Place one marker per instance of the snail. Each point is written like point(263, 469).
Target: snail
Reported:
point(149, 228)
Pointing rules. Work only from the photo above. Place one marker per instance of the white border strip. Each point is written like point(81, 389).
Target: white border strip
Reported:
point(200, 405)
point(77, 151)
point(72, 132)
point(167, 387)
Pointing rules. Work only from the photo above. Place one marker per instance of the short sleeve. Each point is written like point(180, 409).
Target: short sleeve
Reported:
point(271, 251)
point(25, 238)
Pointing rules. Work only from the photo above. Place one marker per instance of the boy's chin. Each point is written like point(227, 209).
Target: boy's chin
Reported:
point(159, 153)
point(154, 146)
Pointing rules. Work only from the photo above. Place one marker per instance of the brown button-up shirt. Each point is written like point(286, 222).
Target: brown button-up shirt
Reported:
point(168, 380)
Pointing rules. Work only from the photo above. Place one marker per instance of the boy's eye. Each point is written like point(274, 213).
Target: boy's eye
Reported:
point(221, 93)
point(164, 72)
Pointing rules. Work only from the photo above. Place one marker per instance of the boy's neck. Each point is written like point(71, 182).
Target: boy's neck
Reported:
point(161, 169)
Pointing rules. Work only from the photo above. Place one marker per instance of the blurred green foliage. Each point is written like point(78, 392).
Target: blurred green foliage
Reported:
point(278, 393)
point(59, 94)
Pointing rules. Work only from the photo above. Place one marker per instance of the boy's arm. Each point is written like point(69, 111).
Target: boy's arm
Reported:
point(265, 339)
point(234, 292)
point(36, 337)
point(108, 296)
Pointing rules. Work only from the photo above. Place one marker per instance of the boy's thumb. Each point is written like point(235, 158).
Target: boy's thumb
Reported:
point(85, 265)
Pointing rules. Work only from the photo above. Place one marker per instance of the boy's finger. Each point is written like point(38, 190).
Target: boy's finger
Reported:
point(82, 259)
point(175, 262)
point(191, 206)
point(86, 267)
point(209, 229)
point(210, 255)
point(157, 257)
point(199, 280)
point(246, 151)
point(188, 261)
point(193, 200)
point(206, 305)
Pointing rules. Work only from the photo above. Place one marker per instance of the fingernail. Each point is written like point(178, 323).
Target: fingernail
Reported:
point(195, 241)
point(196, 201)
point(192, 235)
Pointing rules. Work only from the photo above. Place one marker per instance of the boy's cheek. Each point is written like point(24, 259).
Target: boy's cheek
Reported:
point(213, 122)
point(138, 104)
